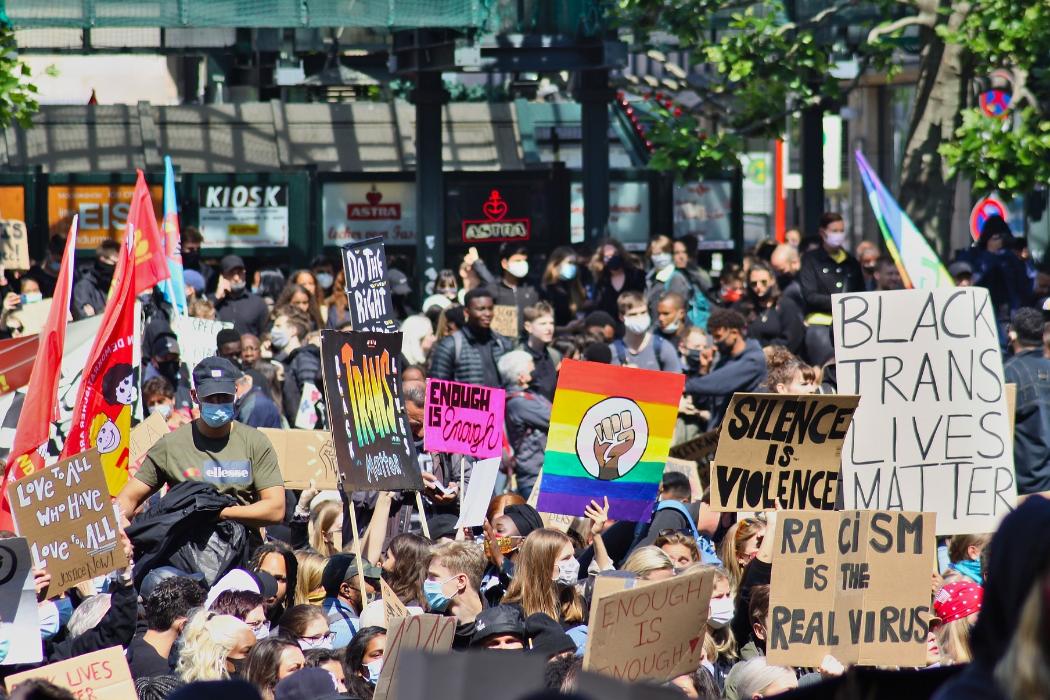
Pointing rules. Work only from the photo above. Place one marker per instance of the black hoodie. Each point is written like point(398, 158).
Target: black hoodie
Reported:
point(1018, 560)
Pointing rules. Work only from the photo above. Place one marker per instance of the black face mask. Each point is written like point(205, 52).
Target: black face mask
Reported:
point(692, 361)
point(238, 667)
point(104, 273)
point(191, 259)
point(169, 368)
point(784, 279)
point(614, 263)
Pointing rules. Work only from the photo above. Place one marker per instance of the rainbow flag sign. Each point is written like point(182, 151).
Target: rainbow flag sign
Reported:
point(610, 432)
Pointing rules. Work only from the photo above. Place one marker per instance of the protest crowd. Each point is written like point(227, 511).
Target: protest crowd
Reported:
point(593, 460)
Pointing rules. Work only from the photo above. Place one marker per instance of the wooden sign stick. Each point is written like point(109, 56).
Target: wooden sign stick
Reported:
point(422, 515)
point(357, 552)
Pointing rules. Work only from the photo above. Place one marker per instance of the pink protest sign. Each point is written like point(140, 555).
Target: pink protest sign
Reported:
point(464, 418)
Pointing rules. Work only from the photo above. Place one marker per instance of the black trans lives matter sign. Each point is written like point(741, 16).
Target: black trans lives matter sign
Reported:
point(370, 430)
point(367, 290)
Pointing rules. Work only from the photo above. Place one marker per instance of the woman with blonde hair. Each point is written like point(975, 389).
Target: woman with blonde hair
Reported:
point(214, 647)
point(956, 606)
point(308, 588)
point(739, 547)
point(649, 563)
point(325, 528)
point(680, 547)
point(545, 578)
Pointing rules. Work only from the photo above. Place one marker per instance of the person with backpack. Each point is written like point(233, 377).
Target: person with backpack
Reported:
point(673, 273)
point(539, 332)
point(640, 347)
point(528, 418)
point(470, 354)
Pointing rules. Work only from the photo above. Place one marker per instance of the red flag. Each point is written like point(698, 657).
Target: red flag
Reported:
point(40, 407)
point(102, 415)
point(149, 247)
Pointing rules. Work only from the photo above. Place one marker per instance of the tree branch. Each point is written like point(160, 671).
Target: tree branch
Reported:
point(897, 25)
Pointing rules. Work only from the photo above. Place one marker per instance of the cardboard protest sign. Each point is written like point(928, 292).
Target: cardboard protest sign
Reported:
point(687, 469)
point(475, 502)
point(33, 316)
point(505, 320)
point(854, 584)
point(65, 512)
point(196, 338)
point(19, 618)
point(362, 384)
point(144, 436)
point(303, 455)
point(650, 632)
point(392, 605)
point(14, 245)
point(700, 448)
point(465, 419)
point(610, 431)
point(367, 289)
point(780, 449)
point(100, 675)
point(431, 633)
point(930, 431)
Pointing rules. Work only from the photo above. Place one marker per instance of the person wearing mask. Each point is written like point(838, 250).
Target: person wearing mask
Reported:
point(214, 648)
point(560, 286)
point(614, 273)
point(697, 354)
point(404, 566)
point(528, 418)
point(510, 289)
point(254, 405)
point(92, 289)
point(447, 285)
point(234, 303)
point(276, 559)
point(741, 364)
point(192, 240)
point(504, 535)
point(166, 361)
point(301, 359)
point(237, 459)
point(868, 257)
point(545, 577)
point(684, 252)
point(539, 332)
point(324, 273)
point(453, 586)
point(828, 270)
point(470, 354)
point(773, 319)
point(786, 262)
point(45, 273)
point(640, 347)
point(158, 396)
point(1029, 369)
point(342, 603)
point(671, 322)
point(364, 662)
point(887, 276)
point(664, 275)
point(299, 297)
point(194, 284)
point(167, 610)
point(288, 332)
point(308, 626)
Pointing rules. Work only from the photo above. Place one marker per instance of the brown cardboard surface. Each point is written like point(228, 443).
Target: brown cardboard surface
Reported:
point(649, 632)
point(426, 632)
point(689, 470)
point(100, 675)
point(66, 514)
point(303, 455)
point(392, 605)
point(14, 245)
point(701, 447)
point(145, 435)
point(853, 584)
point(781, 449)
point(505, 320)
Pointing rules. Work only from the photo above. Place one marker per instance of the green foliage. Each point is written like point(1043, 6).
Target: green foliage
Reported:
point(17, 94)
point(758, 69)
point(1011, 155)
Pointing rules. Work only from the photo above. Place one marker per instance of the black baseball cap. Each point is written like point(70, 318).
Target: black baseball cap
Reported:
point(343, 567)
point(215, 375)
point(165, 344)
point(500, 619)
point(232, 262)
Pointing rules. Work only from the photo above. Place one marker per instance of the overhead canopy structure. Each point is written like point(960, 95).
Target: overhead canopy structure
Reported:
point(403, 14)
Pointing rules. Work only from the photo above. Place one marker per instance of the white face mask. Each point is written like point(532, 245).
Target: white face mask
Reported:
point(374, 669)
point(720, 613)
point(518, 268)
point(568, 572)
point(325, 280)
point(638, 324)
point(164, 409)
point(660, 260)
point(835, 239)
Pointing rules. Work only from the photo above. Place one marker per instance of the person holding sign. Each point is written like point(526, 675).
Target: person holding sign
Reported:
point(470, 354)
point(237, 459)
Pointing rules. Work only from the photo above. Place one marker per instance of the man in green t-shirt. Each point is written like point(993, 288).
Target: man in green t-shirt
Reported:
point(237, 459)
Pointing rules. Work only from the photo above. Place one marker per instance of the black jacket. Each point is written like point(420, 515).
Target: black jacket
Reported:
point(247, 312)
point(116, 628)
point(302, 365)
point(466, 364)
point(779, 325)
point(183, 530)
point(545, 374)
point(87, 291)
point(820, 277)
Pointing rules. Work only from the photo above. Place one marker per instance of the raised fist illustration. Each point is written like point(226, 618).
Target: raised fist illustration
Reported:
point(613, 437)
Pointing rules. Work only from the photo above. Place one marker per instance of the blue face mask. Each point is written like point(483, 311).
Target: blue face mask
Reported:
point(374, 668)
point(971, 569)
point(216, 415)
point(567, 271)
point(437, 601)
